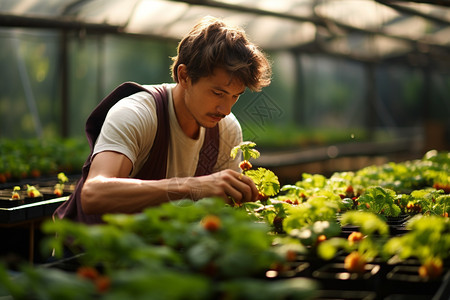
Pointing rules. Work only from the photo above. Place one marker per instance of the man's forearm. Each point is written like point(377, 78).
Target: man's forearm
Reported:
point(126, 195)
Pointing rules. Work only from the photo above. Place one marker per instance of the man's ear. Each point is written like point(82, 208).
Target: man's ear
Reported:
point(183, 77)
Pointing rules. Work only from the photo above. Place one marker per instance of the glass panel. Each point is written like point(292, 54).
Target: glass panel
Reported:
point(35, 7)
point(84, 82)
point(113, 12)
point(29, 83)
point(99, 64)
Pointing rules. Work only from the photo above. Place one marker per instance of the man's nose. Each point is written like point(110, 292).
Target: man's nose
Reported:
point(225, 106)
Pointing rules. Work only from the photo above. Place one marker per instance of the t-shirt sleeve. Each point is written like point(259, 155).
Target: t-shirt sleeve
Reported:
point(129, 128)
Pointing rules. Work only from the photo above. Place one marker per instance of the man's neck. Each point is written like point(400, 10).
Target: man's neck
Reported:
point(187, 123)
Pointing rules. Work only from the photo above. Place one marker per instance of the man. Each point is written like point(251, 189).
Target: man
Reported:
point(153, 144)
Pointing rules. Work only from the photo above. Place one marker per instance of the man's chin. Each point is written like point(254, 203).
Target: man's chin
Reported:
point(210, 123)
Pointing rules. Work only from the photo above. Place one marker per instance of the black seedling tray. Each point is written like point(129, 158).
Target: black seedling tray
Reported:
point(30, 211)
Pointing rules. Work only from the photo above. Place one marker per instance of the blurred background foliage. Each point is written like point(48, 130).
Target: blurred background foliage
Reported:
point(313, 100)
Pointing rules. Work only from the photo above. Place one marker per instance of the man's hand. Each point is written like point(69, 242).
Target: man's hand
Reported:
point(108, 190)
point(226, 184)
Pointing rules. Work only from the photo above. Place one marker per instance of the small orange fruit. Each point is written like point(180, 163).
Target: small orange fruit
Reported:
point(291, 255)
point(431, 268)
point(102, 283)
point(354, 237)
point(211, 223)
point(355, 263)
point(88, 273)
point(321, 238)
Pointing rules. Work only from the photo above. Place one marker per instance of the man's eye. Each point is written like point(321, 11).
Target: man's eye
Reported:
point(217, 93)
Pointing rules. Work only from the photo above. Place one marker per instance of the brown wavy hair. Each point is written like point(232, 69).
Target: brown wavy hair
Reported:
point(211, 44)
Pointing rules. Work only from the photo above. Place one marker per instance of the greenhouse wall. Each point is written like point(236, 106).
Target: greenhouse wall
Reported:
point(313, 99)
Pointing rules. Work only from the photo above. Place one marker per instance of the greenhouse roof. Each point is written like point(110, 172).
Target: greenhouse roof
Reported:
point(412, 32)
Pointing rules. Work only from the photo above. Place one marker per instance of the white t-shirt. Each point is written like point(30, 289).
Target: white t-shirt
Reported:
point(130, 128)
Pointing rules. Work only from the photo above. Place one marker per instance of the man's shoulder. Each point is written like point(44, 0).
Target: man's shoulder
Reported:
point(167, 86)
point(229, 127)
point(143, 98)
point(230, 120)
point(146, 90)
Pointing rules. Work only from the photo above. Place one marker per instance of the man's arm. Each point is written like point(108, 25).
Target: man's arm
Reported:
point(108, 189)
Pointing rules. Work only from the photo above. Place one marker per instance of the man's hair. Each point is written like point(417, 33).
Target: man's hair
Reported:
point(212, 44)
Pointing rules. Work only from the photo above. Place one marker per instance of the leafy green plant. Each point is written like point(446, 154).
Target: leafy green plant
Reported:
point(292, 194)
point(361, 246)
point(42, 283)
point(369, 223)
point(428, 236)
point(179, 250)
point(316, 233)
point(407, 176)
point(312, 181)
point(32, 158)
point(428, 240)
point(429, 202)
point(271, 211)
point(183, 249)
point(265, 180)
point(257, 289)
point(379, 201)
point(247, 149)
point(316, 208)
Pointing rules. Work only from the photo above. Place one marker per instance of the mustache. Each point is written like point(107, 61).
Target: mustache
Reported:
point(218, 115)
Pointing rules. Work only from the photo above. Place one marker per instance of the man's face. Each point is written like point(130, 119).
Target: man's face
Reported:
point(210, 98)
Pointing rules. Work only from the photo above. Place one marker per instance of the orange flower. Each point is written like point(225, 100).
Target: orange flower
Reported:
point(245, 165)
